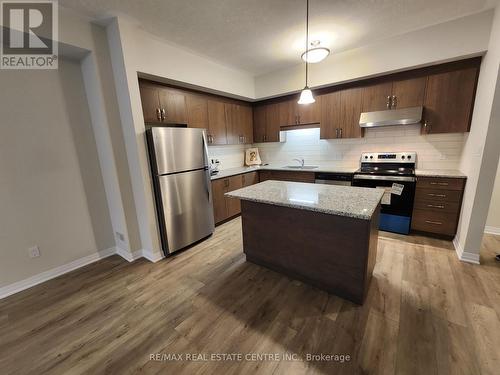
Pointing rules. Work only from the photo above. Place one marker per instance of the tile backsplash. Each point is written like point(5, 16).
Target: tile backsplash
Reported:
point(434, 151)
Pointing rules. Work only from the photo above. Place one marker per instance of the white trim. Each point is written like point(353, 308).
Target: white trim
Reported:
point(492, 230)
point(463, 255)
point(152, 256)
point(127, 255)
point(54, 272)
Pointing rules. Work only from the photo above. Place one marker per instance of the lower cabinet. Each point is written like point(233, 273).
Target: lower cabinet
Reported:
point(437, 205)
point(225, 207)
point(287, 176)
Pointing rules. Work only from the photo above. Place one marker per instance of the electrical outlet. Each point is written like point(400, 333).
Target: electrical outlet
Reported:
point(120, 236)
point(34, 251)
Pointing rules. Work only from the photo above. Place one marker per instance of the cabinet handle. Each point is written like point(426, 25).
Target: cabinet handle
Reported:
point(209, 138)
point(226, 182)
point(435, 206)
point(426, 127)
point(265, 137)
point(337, 133)
point(340, 132)
point(394, 101)
point(158, 114)
point(163, 114)
point(434, 222)
point(388, 102)
point(439, 183)
point(436, 195)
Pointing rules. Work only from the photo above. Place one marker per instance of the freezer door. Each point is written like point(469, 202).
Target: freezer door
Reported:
point(186, 211)
point(176, 149)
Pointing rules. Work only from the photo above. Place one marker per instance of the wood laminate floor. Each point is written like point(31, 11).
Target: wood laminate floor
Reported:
point(426, 313)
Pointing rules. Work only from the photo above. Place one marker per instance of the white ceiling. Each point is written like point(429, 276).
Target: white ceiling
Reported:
point(260, 36)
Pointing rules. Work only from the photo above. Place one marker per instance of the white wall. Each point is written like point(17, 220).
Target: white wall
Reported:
point(481, 151)
point(493, 221)
point(447, 41)
point(441, 151)
point(51, 189)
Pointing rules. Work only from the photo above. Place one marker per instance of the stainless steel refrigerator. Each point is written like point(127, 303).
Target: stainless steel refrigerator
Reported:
point(181, 180)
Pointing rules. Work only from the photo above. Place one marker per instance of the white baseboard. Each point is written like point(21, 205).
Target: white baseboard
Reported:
point(54, 272)
point(492, 230)
point(465, 256)
point(151, 256)
point(127, 255)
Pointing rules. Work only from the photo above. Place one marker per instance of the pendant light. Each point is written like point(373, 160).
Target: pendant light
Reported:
point(306, 96)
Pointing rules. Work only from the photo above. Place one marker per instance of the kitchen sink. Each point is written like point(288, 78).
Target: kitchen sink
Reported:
point(302, 166)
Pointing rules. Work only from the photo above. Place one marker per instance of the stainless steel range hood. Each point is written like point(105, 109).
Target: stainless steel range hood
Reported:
point(403, 116)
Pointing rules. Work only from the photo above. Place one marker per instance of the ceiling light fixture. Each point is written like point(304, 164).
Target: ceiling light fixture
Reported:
point(306, 96)
point(316, 53)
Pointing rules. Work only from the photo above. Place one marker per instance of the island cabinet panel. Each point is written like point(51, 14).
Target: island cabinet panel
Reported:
point(437, 205)
point(449, 101)
point(226, 207)
point(287, 176)
point(340, 113)
point(339, 260)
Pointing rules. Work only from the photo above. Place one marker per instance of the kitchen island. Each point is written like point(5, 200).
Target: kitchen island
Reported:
point(325, 235)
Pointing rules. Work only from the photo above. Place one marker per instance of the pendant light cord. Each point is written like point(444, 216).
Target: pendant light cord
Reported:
point(307, 37)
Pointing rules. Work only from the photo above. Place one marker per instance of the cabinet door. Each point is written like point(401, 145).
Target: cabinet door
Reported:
point(272, 123)
point(233, 130)
point(259, 123)
point(449, 100)
point(287, 113)
point(216, 123)
point(409, 92)
point(330, 115)
point(150, 103)
point(246, 123)
point(197, 111)
point(233, 205)
point(248, 179)
point(219, 200)
point(173, 104)
point(375, 97)
point(309, 113)
point(350, 109)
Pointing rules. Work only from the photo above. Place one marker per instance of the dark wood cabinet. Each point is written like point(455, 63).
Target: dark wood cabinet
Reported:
point(290, 113)
point(408, 93)
point(197, 111)
point(437, 205)
point(266, 124)
point(162, 105)
point(245, 120)
point(226, 207)
point(239, 122)
point(216, 123)
point(340, 113)
point(449, 100)
point(377, 97)
point(286, 176)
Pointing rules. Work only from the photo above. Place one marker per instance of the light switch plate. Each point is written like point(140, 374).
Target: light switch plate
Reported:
point(34, 251)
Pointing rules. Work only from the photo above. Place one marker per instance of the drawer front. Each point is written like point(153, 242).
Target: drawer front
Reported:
point(434, 222)
point(436, 206)
point(440, 183)
point(287, 176)
point(438, 195)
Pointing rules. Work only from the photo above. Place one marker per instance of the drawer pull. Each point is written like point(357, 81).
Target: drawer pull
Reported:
point(439, 183)
point(435, 206)
point(436, 195)
point(434, 222)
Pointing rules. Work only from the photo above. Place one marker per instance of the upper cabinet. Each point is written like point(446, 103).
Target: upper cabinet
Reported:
point(340, 111)
point(239, 123)
point(394, 94)
point(291, 113)
point(217, 130)
point(449, 100)
point(197, 111)
point(163, 105)
point(266, 123)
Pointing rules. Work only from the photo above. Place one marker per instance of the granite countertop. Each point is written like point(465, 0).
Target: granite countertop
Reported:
point(277, 167)
point(450, 173)
point(355, 202)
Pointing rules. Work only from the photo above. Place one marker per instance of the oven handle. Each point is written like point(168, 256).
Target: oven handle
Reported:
point(383, 178)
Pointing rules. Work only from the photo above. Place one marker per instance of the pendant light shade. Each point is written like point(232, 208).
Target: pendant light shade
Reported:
point(306, 96)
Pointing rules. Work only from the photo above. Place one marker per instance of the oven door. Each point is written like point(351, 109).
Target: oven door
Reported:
point(397, 202)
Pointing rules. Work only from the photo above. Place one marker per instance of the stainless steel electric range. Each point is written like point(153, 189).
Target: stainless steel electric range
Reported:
point(395, 173)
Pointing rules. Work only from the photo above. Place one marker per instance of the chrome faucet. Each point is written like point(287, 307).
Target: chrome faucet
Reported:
point(301, 161)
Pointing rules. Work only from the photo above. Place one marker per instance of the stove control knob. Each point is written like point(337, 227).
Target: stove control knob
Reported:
point(402, 156)
point(371, 156)
point(366, 156)
point(409, 156)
